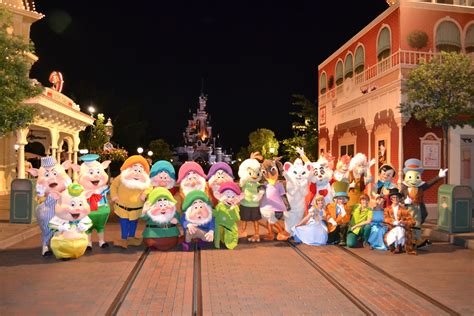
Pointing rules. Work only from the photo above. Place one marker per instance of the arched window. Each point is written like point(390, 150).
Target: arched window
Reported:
point(470, 39)
point(322, 83)
point(448, 37)
point(383, 44)
point(348, 68)
point(339, 78)
point(359, 61)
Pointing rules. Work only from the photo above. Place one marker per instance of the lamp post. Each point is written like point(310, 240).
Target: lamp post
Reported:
point(91, 110)
point(109, 129)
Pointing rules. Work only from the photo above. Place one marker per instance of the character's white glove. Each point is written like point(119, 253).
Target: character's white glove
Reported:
point(82, 227)
point(343, 212)
point(191, 228)
point(311, 212)
point(300, 151)
point(407, 201)
point(259, 196)
point(40, 190)
point(352, 185)
point(372, 162)
point(442, 173)
point(64, 227)
point(395, 222)
point(209, 236)
point(174, 221)
point(332, 221)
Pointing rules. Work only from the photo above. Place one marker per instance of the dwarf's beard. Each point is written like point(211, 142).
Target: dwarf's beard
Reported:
point(134, 184)
point(201, 186)
point(161, 218)
point(201, 221)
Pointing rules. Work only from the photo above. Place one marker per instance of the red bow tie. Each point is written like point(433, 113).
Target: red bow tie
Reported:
point(94, 201)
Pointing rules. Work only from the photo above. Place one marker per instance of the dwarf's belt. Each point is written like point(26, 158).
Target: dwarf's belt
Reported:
point(161, 226)
point(128, 208)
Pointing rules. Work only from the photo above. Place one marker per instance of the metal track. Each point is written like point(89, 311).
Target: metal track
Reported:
point(354, 299)
point(402, 283)
point(197, 289)
point(122, 294)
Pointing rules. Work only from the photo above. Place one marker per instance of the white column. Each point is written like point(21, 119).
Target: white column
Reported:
point(75, 146)
point(400, 124)
point(54, 141)
point(331, 136)
point(21, 142)
point(369, 155)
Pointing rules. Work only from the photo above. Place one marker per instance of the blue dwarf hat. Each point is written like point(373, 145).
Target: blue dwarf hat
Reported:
point(413, 164)
point(48, 162)
point(163, 165)
point(89, 157)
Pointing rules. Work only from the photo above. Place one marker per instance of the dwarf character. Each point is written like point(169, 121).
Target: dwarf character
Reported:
point(52, 177)
point(70, 223)
point(296, 176)
point(191, 177)
point(338, 214)
point(218, 174)
point(249, 174)
point(227, 214)
point(413, 188)
point(94, 179)
point(197, 220)
point(128, 192)
point(162, 174)
point(359, 177)
point(161, 231)
point(274, 202)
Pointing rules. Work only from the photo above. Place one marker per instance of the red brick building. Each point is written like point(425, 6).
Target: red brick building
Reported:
point(360, 90)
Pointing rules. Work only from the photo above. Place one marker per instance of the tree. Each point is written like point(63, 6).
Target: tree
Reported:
point(94, 137)
point(15, 84)
point(161, 150)
point(305, 131)
point(441, 93)
point(264, 141)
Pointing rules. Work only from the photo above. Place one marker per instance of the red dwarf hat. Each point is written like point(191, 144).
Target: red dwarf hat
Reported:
point(230, 186)
point(136, 159)
point(187, 167)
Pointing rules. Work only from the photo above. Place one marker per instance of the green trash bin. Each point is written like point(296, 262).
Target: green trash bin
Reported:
point(23, 201)
point(455, 208)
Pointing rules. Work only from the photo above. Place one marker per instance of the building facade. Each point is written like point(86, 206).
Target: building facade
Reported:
point(360, 90)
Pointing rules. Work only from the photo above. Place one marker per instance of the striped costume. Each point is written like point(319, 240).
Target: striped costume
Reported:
point(44, 213)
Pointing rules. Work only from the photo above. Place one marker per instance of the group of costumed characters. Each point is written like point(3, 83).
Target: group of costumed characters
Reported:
point(319, 205)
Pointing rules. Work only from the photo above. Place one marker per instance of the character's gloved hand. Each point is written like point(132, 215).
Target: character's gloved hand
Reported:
point(64, 227)
point(408, 201)
point(332, 221)
point(372, 162)
point(352, 185)
point(82, 227)
point(174, 221)
point(442, 173)
point(191, 228)
point(40, 190)
point(395, 222)
point(300, 151)
point(209, 236)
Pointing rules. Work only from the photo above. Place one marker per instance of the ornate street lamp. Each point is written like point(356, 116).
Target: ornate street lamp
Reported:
point(109, 128)
point(91, 110)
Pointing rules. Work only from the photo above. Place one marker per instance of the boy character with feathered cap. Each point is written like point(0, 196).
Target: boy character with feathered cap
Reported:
point(197, 220)
point(161, 231)
point(128, 191)
point(219, 173)
point(413, 188)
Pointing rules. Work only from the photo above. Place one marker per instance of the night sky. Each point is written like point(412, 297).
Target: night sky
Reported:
point(141, 62)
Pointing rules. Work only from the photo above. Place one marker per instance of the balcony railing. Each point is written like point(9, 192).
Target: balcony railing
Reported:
point(397, 59)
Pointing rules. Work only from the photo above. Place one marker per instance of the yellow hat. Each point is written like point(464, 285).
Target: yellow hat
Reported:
point(136, 159)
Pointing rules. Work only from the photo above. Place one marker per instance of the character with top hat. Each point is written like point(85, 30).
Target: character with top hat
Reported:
point(338, 214)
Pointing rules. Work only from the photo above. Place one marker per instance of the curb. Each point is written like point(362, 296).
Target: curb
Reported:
point(12, 240)
point(431, 232)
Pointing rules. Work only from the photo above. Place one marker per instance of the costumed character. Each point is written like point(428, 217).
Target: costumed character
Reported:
point(162, 174)
point(296, 176)
point(359, 177)
point(312, 229)
point(227, 214)
point(249, 174)
point(191, 177)
point(338, 214)
point(359, 225)
point(274, 202)
point(128, 191)
point(94, 179)
point(161, 231)
point(320, 179)
point(70, 223)
point(413, 188)
point(342, 169)
point(384, 183)
point(378, 229)
point(52, 177)
point(219, 173)
point(197, 220)
point(400, 223)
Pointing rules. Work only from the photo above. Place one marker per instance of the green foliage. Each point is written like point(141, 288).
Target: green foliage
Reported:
point(417, 39)
point(243, 154)
point(15, 85)
point(161, 150)
point(289, 147)
point(262, 140)
point(95, 136)
point(115, 154)
point(441, 92)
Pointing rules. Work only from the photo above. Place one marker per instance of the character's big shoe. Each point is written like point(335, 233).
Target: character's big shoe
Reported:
point(134, 241)
point(45, 252)
point(423, 244)
point(186, 246)
point(122, 243)
point(254, 238)
point(103, 244)
point(269, 237)
point(283, 235)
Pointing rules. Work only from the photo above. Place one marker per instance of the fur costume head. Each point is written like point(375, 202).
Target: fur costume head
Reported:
point(297, 173)
point(198, 208)
point(72, 203)
point(162, 174)
point(92, 175)
point(359, 165)
point(161, 206)
point(229, 193)
point(271, 169)
point(52, 176)
point(249, 169)
point(322, 172)
point(413, 171)
point(135, 173)
point(191, 177)
point(219, 174)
